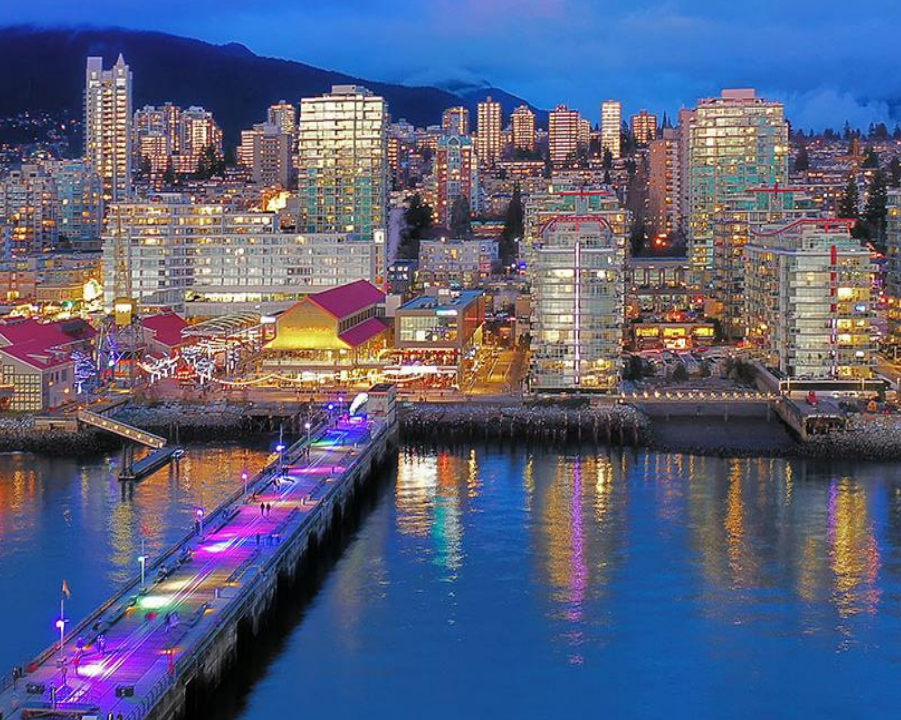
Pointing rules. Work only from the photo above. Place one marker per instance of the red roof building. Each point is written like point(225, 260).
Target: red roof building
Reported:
point(336, 332)
point(36, 361)
point(163, 332)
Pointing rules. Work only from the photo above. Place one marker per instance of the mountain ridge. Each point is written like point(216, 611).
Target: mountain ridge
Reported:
point(45, 73)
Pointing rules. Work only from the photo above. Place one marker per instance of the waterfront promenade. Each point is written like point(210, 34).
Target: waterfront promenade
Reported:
point(126, 656)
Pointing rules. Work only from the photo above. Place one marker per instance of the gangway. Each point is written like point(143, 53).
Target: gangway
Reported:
point(129, 432)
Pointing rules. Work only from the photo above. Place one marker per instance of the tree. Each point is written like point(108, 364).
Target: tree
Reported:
point(849, 204)
point(875, 210)
point(461, 218)
point(169, 174)
point(637, 238)
point(146, 167)
point(894, 170)
point(680, 374)
point(802, 160)
point(418, 219)
point(607, 179)
point(871, 159)
point(608, 159)
point(210, 163)
point(513, 227)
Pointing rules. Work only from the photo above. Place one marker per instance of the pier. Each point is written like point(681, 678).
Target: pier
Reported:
point(169, 636)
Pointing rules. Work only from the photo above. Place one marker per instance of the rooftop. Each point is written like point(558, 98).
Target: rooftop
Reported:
point(457, 301)
point(341, 302)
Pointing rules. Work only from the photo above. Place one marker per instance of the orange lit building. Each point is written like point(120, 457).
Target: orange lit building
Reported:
point(331, 336)
point(455, 121)
point(523, 122)
point(490, 124)
point(644, 127)
point(456, 174)
point(563, 135)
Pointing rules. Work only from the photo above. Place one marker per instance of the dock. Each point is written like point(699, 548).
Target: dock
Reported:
point(150, 463)
point(152, 651)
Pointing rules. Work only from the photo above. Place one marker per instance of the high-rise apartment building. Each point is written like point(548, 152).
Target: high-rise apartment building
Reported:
point(267, 152)
point(167, 136)
point(343, 162)
point(611, 127)
point(576, 249)
point(644, 127)
point(808, 300)
point(29, 210)
point(734, 142)
point(490, 125)
point(664, 184)
point(455, 121)
point(732, 228)
point(80, 203)
point(455, 174)
point(893, 272)
point(284, 116)
point(107, 126)
point(523, 122)
point(563, 135)
point(207, 259)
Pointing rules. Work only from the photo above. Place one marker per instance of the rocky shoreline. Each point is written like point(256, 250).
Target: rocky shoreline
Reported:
point(546, 424)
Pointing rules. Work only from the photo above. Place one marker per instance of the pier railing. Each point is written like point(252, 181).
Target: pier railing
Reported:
point(148, 702)
point(262, 478)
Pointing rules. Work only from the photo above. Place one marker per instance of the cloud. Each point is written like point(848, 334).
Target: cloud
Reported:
point(830, 107)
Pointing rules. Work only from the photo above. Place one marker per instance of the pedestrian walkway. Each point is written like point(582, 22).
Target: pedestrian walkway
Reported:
point(128, 654)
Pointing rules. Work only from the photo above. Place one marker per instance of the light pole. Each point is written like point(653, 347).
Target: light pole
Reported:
point(307, 427)
point(142, 558)
point(198, 513)
point(244, 480)
point(61, 626)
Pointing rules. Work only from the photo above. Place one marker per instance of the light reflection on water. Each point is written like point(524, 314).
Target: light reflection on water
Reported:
point(646, 585)
point(67, 519)
point(489, 583)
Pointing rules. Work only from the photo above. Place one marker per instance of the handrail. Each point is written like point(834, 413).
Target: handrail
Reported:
point(122, 429)
point(7, 681)
point(247, 593)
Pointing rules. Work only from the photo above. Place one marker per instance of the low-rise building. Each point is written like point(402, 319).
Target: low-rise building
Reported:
point(455, 263)
point(332, 336)
point(208, 259)
point(38, 372)
point(438, 335)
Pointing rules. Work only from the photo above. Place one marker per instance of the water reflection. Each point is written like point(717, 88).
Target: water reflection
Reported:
point(64, 518)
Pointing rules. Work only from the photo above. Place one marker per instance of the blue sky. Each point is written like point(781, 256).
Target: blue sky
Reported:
point(828, 61)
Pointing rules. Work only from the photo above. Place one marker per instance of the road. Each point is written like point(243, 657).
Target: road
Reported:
point(150, 630)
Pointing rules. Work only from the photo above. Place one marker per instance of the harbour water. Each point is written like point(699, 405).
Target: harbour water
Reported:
point(498, 583)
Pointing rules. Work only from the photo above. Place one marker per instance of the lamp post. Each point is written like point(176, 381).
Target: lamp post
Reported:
point(142, 559)
point(244, 481)
point(61, 626)
point(198, 514)
point(307, 426)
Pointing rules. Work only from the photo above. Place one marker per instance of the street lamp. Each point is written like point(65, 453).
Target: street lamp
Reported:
point(142, 559)
point(244, 481)
point(198, 514)
point(61, 626)
point(307, 427)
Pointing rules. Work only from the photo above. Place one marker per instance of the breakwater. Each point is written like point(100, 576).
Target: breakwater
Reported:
point(545, 424)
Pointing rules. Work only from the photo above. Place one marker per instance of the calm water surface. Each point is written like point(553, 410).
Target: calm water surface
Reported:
point(510, 584)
